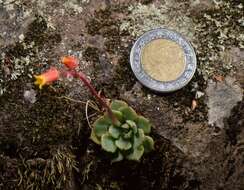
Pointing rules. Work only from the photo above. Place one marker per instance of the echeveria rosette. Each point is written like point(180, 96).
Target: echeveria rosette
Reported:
point(127, 138)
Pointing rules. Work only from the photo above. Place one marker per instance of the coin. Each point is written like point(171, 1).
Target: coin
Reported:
point(163, 60)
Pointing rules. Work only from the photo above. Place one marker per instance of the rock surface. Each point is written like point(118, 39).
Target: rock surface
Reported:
point(44, 135)
point(222, 97)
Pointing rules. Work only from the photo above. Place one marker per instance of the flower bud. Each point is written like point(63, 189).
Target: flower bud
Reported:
point(70, 62)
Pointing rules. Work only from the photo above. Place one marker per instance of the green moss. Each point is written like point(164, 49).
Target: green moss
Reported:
point(53, 173)
point(39, 138)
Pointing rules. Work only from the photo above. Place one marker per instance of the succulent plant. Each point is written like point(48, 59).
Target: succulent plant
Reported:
point(120, 131)
point(126, 137)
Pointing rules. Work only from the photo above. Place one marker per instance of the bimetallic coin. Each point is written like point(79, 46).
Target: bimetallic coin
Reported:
point(163, 60)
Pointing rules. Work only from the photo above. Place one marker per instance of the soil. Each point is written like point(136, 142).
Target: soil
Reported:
point(44, 136)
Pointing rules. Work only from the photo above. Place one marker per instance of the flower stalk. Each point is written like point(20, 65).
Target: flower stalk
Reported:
point(71, 63)
point(88, 84)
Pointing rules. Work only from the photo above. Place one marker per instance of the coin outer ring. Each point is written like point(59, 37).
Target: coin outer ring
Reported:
point(147, 80)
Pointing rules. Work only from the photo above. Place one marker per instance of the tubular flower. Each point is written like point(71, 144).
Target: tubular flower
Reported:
point(47, 77)
point(70, 62)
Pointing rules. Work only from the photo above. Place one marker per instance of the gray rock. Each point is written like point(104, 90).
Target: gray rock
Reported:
point(222, 97)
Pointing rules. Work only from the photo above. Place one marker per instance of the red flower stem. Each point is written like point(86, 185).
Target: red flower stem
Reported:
point(87, 83)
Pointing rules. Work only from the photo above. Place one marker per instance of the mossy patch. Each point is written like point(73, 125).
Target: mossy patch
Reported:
point(38, 132)
point(37, 173)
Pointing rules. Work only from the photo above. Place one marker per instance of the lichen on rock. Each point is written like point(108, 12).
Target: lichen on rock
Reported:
point(143, 18)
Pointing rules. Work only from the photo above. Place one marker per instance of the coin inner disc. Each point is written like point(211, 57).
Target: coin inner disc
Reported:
point(163, 60)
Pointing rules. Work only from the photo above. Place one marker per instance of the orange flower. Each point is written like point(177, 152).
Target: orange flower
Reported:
point(47, 77)
point(70, 62)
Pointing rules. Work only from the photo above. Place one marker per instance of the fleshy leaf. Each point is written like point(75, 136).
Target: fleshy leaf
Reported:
point(118, 158)
point(128, 113)
point(118, 115)
point(108, 144)
point(94, 138)
point(125, 126)
point(144, 124)
point(131, 123)
point(114, 131)
point(138, 139)
point(136, 154)
point(148, 144)
point(101, 126)
point(128, 135)
point(116, 104)
point(123, 144)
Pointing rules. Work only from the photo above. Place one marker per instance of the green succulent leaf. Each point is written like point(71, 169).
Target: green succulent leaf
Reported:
point(136, 154)
point(144, 124)
point(131, 123)
point(148, 144)
point(118, 115)
point(118, 158)
point(128, 135)
point(101, 126)
point(94, 138)
point(123, 144)
point(128, 113)
point(114, 131)
point(139, 138)
point(107, 117)
point(125, 126)
point(117, 104)
point(108, 144)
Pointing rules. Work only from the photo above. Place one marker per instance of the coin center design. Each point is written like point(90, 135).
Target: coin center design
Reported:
point(163, 60)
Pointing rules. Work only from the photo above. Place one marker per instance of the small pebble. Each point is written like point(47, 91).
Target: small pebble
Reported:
point(199, 94)
point(30, 96)
point(21, 37)
point(194, 104)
